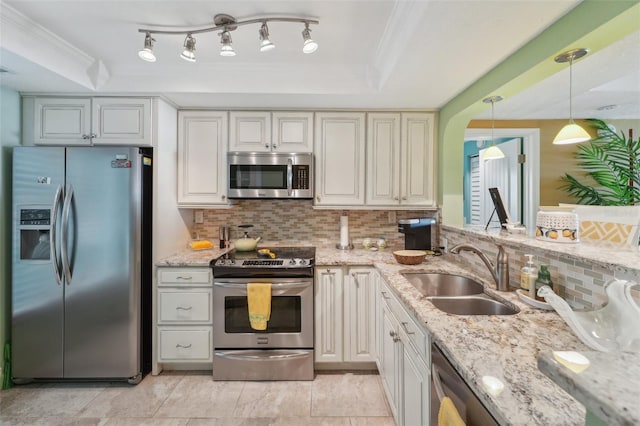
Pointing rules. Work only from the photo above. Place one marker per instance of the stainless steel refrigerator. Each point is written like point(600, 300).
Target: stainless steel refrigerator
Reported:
point(81, 259)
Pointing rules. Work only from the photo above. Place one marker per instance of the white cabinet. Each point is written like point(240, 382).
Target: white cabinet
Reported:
point(250, 131)
point(92, 121)
point(345, 315)
point(400, 159)
point(202, 162)
point(403, 360)
point(184, 315)
point(340, 158)
point(292, 131)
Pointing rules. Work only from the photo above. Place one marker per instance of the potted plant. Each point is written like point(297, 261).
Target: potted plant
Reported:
point(611, 163)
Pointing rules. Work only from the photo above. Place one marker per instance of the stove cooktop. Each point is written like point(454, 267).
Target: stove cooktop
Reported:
point(275, 257)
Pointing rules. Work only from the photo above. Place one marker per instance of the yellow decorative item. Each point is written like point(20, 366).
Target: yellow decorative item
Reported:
point(200, 245)
point(448, 414)
point(259, 301)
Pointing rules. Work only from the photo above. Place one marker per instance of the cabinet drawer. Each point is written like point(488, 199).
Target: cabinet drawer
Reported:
point(416, 334)
point(184, 306)
point(188, 276)
point(184, 344)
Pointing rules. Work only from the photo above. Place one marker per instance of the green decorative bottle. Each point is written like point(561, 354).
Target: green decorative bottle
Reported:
point(544, 278)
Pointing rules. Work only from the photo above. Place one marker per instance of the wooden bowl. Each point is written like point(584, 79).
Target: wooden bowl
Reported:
point(409, 257)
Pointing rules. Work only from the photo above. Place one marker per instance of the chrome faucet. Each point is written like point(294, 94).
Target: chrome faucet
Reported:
point(500, 272)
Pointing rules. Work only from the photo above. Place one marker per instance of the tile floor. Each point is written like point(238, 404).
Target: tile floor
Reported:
point(194, 399)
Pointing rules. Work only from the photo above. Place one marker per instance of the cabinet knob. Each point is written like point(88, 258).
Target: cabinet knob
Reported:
point(273, 146)
point(266, 145)
point(224, 197)
point(395, 198)
point(89, 136)
point(318, 199)
point(404, 197)
point(394, 336)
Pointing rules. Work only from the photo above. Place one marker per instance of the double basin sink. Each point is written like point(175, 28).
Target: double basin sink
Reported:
point(456, 294)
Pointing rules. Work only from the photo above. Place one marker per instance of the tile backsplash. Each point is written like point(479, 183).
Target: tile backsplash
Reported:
point(297, 222)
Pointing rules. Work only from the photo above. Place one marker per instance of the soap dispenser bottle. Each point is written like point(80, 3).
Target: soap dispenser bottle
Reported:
point(528, 276)
point(544, 278)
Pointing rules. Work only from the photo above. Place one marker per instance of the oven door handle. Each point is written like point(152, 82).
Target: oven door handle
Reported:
point(275, 286)
point(262, 357)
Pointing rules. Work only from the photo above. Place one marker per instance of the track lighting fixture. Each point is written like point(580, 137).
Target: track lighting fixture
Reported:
point(265, 43)
point(308, 46)
point(227, 23)
point(146, 53)
point(572, 132)
point(189, 52)
point(493, 152)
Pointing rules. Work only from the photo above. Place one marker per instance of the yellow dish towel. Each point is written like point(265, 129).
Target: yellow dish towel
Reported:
point(448, 414)
point(259, 301)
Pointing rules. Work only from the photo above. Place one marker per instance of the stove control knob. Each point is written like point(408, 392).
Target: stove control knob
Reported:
point(301, 262)
point(231, 262)
point(292, 262)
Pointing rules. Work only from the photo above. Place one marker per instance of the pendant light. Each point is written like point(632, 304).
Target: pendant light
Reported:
point(493, 152)
point(572, 132)
point(146, 53)
point(227, 48)
point(265, 43)
point(189, 52)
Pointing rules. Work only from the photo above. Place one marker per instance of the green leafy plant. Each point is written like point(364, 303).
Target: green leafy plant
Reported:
point(611, 163)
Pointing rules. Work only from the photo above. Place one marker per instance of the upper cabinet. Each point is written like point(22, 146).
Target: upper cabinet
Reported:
point(292, 131)
point(202, 162)
point(340, 158)
point(400, 159)
point(259, 131)
point(90, 121)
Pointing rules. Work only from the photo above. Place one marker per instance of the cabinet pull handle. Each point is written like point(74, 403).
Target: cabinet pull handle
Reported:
point(178, 345)
point(184, 278)
point(188, 308)
point(384, 295)
point(406, 329)
point(355, 279)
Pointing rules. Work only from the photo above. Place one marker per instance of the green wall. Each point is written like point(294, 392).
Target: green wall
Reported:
point(9, 137)
point(593, 24)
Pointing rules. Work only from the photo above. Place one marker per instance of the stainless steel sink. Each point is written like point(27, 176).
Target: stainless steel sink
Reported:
point(472, 305)
point(457, 295)
point(434, 284)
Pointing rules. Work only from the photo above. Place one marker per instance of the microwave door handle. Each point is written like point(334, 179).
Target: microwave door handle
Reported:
point(54, 234)
point(289, 176)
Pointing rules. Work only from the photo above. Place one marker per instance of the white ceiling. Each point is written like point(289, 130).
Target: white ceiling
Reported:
point(372, 54)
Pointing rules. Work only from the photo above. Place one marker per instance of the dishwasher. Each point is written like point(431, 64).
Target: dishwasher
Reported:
point(445, 381)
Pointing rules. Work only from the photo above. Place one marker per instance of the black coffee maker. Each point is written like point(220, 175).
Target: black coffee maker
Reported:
point(417, 232)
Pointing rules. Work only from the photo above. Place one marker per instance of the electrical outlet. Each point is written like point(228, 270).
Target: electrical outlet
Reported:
point(199, 216)
point(392, 217)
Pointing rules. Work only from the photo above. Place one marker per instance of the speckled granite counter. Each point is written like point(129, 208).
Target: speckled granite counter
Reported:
point(608, 387)
point(505, 347)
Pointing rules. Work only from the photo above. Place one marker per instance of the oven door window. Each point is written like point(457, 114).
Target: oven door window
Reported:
point(286, 315)
point(257, 176)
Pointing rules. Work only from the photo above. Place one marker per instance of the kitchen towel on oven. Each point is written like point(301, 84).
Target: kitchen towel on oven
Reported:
point(259, 301)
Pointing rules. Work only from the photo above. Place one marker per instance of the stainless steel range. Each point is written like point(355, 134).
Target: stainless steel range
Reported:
point(282, 351)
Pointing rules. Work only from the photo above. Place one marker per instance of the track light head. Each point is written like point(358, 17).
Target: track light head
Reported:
point(227, 48)
point(308, 45)
point(265, 43)
point(146, 53)
point(189, 52)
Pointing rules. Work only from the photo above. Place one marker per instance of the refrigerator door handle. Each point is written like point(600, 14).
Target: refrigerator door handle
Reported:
point(66, 209)
point(53, 240)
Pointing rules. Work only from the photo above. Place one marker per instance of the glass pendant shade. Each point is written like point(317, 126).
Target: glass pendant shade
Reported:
point(492, 153)
point(571, 133)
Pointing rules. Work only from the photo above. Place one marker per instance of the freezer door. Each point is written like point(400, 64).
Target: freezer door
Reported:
point(102, 294)
point(36, 294)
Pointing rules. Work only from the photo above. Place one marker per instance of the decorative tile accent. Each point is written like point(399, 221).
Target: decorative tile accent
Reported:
point(295, 221)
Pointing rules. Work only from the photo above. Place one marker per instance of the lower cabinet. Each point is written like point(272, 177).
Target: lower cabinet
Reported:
point(184, 315)
point(345, 315)
point(403, 360)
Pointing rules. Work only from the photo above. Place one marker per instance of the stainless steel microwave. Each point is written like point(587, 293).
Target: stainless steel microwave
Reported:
point(269, 175)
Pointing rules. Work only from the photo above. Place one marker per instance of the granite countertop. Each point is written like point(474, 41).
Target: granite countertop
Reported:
point(608, 387)
point(506, 347)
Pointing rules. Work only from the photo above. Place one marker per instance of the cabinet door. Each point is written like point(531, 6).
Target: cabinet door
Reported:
point(359, 315)
point(416, 387)
point(121, 121)
point(62, 121)
point(417, 177)
point(383, 159)
point(250, 131)
point(328, 315)
point(390, 359)
point(340, 158)
point(202, 170)
point(292, 131)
